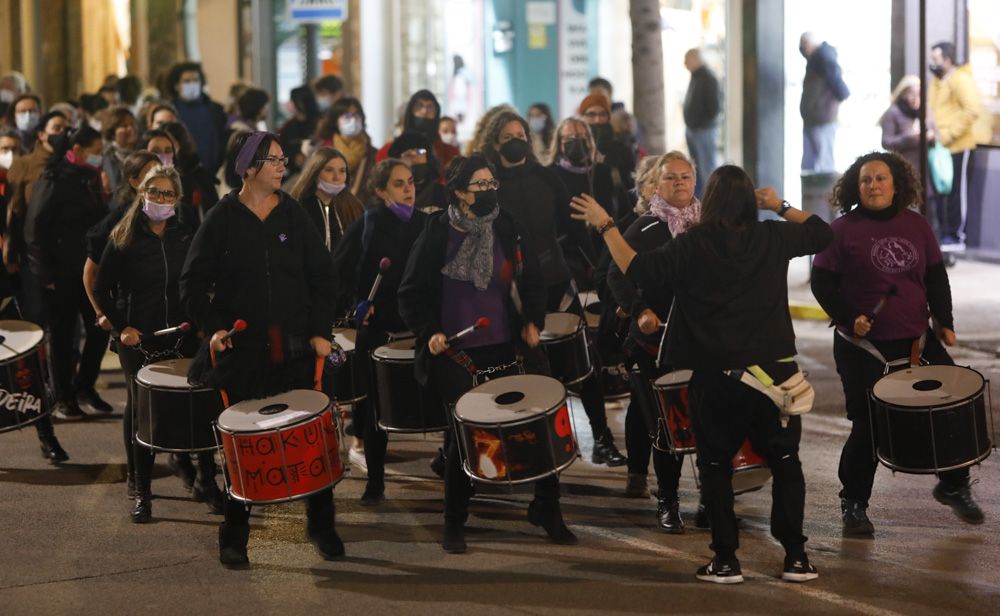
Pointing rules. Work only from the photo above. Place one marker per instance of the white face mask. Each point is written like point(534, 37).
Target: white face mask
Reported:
point(166, 159)
point(7, 159)
point(26, 120)
point(190, 90)
point(94, 124)
point(323, 102)
point(261, 125)
point(95, 160)
point(450, 138)
point(536, 124)
point(7, 96)
point(158, 212)
point(349, 127)
point(330, 188)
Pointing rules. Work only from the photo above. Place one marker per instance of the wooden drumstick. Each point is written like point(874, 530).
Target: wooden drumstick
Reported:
point(481, 323)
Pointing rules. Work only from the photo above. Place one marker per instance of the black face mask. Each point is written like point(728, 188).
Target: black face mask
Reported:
point(603, 135)
point(514, 150)
point(424, 125)
point(576, 152)
point(937, 70)
point(420, 172)
point(486, 202)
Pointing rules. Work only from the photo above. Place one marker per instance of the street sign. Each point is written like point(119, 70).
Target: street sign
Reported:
point(312, 11)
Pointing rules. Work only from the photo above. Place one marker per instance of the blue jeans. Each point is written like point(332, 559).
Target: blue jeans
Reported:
point(817, 147)
point(701, 145)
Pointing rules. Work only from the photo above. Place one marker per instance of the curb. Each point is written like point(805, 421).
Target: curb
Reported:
point(805, 310)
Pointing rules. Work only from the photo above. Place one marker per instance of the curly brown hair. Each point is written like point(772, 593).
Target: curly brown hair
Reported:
point(846, 193)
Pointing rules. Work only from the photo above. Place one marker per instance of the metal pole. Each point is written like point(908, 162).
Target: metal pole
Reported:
point(310, 33)
point(923, 106)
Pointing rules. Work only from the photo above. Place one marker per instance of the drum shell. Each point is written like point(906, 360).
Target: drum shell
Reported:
point(401, 404)
point(348, 384)
point(931, 440)
point(673, 432)
point(283, 464)
point(22, 387)
point(519, 452)
point(750, 471)
point(176, 420)
point(569, 360)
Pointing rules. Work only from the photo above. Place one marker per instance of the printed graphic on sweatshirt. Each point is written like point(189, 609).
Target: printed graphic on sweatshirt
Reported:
point(893, 255)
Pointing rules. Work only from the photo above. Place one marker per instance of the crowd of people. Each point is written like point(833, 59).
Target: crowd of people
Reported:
point(114, 227)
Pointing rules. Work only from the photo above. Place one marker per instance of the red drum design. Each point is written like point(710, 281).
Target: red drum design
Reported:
point(565, 341)
point(22, 380)
point(172, 415)
point(515, 429)
point(673, 431)
point(280, 448)
point(750, 471)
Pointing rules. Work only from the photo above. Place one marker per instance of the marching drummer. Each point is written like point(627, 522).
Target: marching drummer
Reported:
point(470, 263)
point(258, 257)
point(384, 235)
point(731, 314)
point(880, 280)
point(673, 209)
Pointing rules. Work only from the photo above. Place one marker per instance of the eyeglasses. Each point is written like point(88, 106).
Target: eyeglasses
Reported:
point(163, 196)
point(415, 152)
point(597, 115)
point(274, 160)
point(486, 184)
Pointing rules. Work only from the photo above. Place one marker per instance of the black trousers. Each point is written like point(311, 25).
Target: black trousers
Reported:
point(65, 304)
point(637, 433)
point(537, 362)
point(725, 413)
point(450, 381)
point(363, 414)
point(952, 208)
point(859, 371)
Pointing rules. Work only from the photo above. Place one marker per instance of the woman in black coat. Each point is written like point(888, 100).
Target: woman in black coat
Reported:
point(447, 286)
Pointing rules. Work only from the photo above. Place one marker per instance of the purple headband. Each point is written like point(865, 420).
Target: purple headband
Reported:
point(246, 156)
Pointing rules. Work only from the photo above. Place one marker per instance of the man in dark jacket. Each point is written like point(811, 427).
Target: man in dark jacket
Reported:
point(204, 118)
point(823, 89)
point(701, 113)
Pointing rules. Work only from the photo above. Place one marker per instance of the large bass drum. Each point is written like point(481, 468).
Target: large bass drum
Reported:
point(22, 378)
point(171, 414)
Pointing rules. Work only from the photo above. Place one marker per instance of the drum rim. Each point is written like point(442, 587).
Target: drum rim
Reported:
point(950, 404)
point(412, 431)
point(192, 389)
point(159, 449)
point(556, 471)
point(923, 471)
point(453, 408)
point(519, 422)
point(288, 499)
point(294, 424)
point(391, 360)
point(23, 424)
point(32, 350)
point(581, 324)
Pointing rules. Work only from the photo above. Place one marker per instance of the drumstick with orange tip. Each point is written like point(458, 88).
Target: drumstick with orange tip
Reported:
point(238, 326)
point(481, 323)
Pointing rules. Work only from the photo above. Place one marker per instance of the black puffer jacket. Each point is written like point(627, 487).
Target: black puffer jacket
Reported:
point(144, 275)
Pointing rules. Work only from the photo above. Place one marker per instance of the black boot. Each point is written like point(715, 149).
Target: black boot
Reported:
point(180, 464)
point(374, 493)
point(546, 513)
point(667, 515)
point(233, 545)
point(142, 512)
point(52, 450)
point(320, 514)
point(130, 486)
point(205, 489)
point(605, 451)
point(437, 464)
point(855, 516)
point(454, 537)
point(959, 498)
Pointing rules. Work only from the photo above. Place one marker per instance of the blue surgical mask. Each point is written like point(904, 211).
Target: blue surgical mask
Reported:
point(349, 127)
point(26, 120)
point(536, 124)
point(94, 160)
point(190, 90)
point(158, 212)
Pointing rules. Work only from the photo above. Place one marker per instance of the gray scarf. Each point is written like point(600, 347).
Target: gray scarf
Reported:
point(474, 261)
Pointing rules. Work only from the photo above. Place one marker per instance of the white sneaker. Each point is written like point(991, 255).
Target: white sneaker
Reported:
point(357, 458)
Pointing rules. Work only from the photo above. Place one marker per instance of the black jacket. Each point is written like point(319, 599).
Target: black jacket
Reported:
point(731, 291)
point(345, 212)
point(646, 234)
point(701, 103)
point(420, 293)
point(65, 204)
point(823, 88)
point(275, 274)
point(537, 200)
point(144, 276)
point(200, 191)
point(378, 234)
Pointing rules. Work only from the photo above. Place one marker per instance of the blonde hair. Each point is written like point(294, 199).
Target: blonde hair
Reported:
point(907, 82)
point(650, 167)
point(305, 185)
point(555, 148)
point(475, 144)
point(123, 233)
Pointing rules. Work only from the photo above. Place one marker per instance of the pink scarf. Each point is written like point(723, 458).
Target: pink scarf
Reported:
point(678, 219)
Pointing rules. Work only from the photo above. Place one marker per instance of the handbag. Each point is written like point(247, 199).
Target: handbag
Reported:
point(941, 168)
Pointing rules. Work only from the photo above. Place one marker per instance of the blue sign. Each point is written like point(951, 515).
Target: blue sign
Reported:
point(317, 10)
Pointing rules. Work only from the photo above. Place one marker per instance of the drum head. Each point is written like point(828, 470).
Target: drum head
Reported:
point(560, 325)
point(928, 386)
point(677, 378)
point(168, 374)
point(510, 399)
point(398, 350)
point(18, 337)
point(273, 412)
point(345, 338)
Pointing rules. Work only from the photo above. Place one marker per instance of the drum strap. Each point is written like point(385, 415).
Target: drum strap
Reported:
point(793, 396)
point(462, 359)
point(916, 350)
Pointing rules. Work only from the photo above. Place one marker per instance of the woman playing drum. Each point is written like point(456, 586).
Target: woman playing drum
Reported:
point(729, 276)
point(257, 257)
point(468, 264)
point(140, 268)
point(879, 281)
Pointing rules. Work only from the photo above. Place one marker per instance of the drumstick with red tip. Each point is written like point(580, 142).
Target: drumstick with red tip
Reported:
point(481, 323)
point(238, 326)
point(882, 302)
point(183, 328)
point(383, 267)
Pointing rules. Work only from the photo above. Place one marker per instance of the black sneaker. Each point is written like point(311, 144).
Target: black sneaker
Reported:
point(799, 570)
point(68, 411)
point(855, 515)
point(454, 538)
point(373, 495)
point(719, 572)
point(91, 398)
point(438, 463)
point(961, 502)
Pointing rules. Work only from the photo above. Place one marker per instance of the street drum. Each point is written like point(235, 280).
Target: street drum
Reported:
point(930, 419)
point(401, 404)
point(750, 471)
point(22, 380)
point(515, 429)
point(565, 341)
point(280, 448)
point(348, 387)
point(672, 431)
point(171, 414)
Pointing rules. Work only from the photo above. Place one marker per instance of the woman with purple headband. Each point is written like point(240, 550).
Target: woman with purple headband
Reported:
point(258, 257)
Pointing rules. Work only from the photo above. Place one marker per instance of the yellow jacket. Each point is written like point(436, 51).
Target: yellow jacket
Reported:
point(954, 101)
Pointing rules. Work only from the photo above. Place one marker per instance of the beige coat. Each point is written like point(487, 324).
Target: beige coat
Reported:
point(955, 103)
